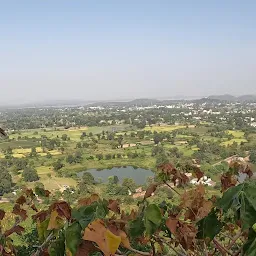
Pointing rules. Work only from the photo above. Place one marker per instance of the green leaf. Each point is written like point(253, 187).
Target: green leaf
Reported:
point(209, 226)
point(249, 247)
point(57, 247)
point(152, 218)
point(247, 212)
point(136, 228)
point(42, 229)
point(87, 214)
point(73, 237)
point(229, 198)
point(250, 193)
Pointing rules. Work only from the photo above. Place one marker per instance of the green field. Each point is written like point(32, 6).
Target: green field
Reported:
point(164, 128)
point(236, 134)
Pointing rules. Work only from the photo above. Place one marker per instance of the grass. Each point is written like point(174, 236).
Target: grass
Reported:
point(164, 128)
point(230, 142)
point(52, 182)
point(236, 134)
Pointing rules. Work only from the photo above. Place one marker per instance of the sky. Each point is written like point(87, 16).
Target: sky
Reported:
point(112, 50)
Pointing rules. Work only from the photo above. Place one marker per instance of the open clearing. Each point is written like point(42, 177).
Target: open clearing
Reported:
point(230, 142)
point(164, 128)
point(236, 134)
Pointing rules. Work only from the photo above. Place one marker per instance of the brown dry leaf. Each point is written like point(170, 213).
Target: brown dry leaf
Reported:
point(86, 248)
point(196, 204)
point(18, 211)
point(124, 239)
point(186, 235)
point(171, 223)
point(16, 229)
point(131, 216)
point(63, 209)
point(21, 200)
point(2, 214)
point(118, 232)
point(151, 189)
point(248, 171)
point(29, 193)
point(88, 200)
point(106, 240)
point(33, 207)
point(197, 172)
point(41, 216)
point(227, 180)
point(46, 193)
point(204, 210)
point(113, 205)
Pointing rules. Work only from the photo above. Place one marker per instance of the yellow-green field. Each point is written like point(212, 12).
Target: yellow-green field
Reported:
point(230, 142)
point(73, 133)
point(51, 181)
point(164, 128)
point(236, 134)
point(23, 152)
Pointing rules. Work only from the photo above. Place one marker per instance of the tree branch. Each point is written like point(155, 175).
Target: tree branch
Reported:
point(178, 193)
point(40, 248)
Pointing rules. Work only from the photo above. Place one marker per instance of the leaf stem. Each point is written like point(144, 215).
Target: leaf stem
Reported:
point(178, 193)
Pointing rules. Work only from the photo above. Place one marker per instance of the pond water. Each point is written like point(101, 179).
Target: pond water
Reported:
point(139, 175)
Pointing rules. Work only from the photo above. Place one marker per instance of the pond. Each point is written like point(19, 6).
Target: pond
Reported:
point(139, 175)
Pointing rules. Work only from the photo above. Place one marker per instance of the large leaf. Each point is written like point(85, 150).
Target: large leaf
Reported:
point(249, 247)
point(229, 197)
point(87, 214)
point(136, 228)
point(209, 226)
point(247, 212)
point(250, 193)
point(42, 229)
point(152, 218)
point(106, 240)
point(57, 247)
point(73, 237)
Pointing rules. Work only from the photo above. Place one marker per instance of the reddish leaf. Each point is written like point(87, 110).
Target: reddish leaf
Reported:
point(198, 173)
point(21, 200)
point(16, 229)
point(2, 214)
point(248, 171)
point(151, 189)
point(18, 211)
point(86, 248)
point(113, 205)
point(41, 216)
point(29, 193)
point(131, 216)
point(88, 200)
point(171, 223)
point(63, 209)
point(33, 207)
point(227, 181)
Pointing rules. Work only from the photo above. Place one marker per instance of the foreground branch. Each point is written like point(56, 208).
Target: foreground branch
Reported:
point(41, 248)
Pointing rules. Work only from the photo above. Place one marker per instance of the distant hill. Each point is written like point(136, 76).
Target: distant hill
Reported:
point(224, 97)
point(231, 98)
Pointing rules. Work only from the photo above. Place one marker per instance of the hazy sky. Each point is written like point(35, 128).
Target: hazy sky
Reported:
point(96, 50)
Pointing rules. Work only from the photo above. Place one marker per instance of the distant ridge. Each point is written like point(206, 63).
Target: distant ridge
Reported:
point(231, 98)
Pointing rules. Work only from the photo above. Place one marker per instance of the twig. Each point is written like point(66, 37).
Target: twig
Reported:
point(205, 250)
point(178, 193)
point(40, 248)
point(153, 248)
point(139, 252)
point(221, 248)
point(234, 240)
